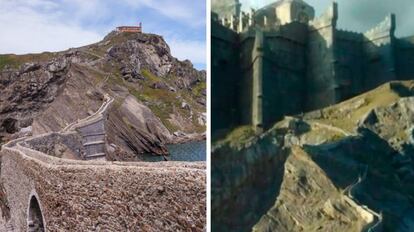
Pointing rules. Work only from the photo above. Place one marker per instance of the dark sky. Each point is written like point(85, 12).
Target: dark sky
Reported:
point(361, 15)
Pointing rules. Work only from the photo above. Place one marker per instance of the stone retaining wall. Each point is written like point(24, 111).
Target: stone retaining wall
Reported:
point(50, 142)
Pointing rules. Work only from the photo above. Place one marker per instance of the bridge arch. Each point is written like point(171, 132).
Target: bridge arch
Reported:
point(35, 219)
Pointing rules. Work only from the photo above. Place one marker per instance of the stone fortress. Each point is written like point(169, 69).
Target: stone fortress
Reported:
point(282, 60)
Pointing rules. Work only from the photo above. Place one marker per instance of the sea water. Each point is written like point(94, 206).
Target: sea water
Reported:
point(190, 152)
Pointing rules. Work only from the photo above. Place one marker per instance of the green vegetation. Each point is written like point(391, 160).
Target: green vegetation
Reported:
point(100, 49)
point(164, 102)
point(7, 60)
point(237, 136)
point(198, 88)
point(149, 76)
point(16, 60)
point(336, 137)
point(346, 117)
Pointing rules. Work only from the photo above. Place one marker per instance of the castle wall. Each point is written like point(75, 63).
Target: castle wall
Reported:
point(284, 78)
point(273, 73)
point(225, 76)
point(225, 8)
point(269, 13)
point(299, 67)
point(321, 73)
point(349, 64)
point(246, 82)
point(405, 58)
point(380, 54)
point(284, 13)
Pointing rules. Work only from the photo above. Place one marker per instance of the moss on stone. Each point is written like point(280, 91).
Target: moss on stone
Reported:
point(238, 136)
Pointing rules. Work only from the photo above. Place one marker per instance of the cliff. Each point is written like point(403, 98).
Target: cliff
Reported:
point(158, 99)
point(347, 167)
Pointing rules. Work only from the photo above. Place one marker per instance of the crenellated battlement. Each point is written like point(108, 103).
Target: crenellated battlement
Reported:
point(349, 35)
point(328, 18)
point(335, 64)
point(384, 29)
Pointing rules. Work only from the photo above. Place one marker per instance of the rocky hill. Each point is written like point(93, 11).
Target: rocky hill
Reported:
point(348, 167)
point(159, 100)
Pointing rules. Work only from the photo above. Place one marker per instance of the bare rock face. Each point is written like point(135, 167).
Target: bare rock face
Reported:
point(188, 76)
point(348, 167)
point(134, 127)
point(143, 50)
point(309, 201)
point(46, 92)
point(401, 113)
point(151, 52)
point(28, 91)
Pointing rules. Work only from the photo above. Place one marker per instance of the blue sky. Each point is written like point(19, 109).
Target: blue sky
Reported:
point(30, 26)
point(360, 15)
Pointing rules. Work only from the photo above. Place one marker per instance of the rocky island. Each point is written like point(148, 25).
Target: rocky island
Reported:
point(76, 125)
point(158, 100)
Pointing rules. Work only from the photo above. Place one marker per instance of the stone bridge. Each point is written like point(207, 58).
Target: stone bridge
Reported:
point(39, 192)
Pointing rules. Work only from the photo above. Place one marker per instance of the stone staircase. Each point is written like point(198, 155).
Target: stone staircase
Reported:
point(92, 130)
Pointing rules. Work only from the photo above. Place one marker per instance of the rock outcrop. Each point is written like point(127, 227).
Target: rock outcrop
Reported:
point(27, 91)
point(348, 167)
point(45, 92)
point(134, 126)
point(64, 115)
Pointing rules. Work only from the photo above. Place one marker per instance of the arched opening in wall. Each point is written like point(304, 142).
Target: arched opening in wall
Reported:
point(35, 217)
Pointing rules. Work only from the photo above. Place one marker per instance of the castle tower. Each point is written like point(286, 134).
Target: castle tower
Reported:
point(288, 11)
point(226, 8)
point(284, 12)
point(257, 91)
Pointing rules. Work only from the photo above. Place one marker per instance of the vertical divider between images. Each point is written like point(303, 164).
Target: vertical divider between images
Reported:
point(208, 135)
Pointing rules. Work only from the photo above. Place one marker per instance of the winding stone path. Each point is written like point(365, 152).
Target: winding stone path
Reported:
point(375, 218)
point(330, 127)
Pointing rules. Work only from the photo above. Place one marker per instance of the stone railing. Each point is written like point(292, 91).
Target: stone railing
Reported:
point(75, 127)
point(92, 118)
point(373, 218)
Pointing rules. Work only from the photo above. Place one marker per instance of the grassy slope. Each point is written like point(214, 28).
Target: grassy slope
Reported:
point(161, 102)
point(346, 115)
point(15, 61)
